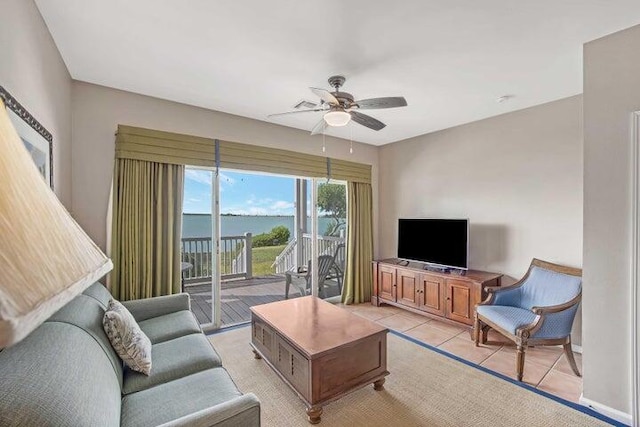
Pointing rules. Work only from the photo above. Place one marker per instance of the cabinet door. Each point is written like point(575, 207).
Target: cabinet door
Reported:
point(407, 290)
point(387, 283)
point(431, 294)
point(461, 301)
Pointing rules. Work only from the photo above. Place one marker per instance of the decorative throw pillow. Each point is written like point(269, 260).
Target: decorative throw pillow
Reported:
point(126, 337)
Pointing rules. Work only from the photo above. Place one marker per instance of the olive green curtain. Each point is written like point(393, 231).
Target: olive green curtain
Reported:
point(358, 281)
point(146, 228)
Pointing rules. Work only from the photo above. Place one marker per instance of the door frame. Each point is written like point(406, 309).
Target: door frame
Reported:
point(635, 268)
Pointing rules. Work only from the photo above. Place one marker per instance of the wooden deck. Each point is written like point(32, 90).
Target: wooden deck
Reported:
point(237, 297)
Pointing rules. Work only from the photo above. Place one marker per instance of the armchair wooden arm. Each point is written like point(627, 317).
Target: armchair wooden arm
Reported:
point(557, 308)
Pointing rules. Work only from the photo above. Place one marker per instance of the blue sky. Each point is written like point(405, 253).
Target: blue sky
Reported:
point(240, 193)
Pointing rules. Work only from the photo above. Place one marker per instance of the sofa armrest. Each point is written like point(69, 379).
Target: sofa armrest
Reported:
point(241, 411)
point(143, 309)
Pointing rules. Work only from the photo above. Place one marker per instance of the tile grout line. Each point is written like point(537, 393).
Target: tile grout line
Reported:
point(543, 377)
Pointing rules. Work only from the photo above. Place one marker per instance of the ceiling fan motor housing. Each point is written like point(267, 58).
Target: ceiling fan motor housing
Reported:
point(345, 99)
point(337, 81)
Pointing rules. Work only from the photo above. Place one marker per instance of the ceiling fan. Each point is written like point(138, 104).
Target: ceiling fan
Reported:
point(340, 107)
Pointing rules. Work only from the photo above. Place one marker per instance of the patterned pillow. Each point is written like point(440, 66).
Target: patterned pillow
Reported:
point(126, 337)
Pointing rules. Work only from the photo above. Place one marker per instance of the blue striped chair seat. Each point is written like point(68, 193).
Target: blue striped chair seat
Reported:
point(506, 317)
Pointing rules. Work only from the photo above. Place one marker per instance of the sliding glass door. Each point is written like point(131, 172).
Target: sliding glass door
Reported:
point(255, 238)
point(200, 270)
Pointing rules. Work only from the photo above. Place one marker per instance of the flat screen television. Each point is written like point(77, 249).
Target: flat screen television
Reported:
point(441, 242)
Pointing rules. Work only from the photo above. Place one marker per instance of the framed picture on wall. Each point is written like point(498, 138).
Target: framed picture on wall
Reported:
point(37, 140)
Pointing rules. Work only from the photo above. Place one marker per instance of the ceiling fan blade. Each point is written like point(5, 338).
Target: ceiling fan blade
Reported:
point(319, 127)
point(366, 121)
point(295, 112)
point(388, 102)
point(325, 95)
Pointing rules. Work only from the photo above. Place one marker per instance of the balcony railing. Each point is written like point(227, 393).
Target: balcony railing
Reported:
point(235, 257)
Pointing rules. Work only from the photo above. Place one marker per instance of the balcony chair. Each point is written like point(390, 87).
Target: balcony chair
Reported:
point(337, 270)
point(302, 280)
point(537, 310)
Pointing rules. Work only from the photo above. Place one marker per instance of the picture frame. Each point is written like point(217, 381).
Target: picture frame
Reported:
point(37, 140)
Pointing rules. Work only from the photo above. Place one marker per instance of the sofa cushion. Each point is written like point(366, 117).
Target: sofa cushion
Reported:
point(126, 337)
point(143, 309)
point(87, 313)
point(170, 326)
point(58, 376)
point(172, 360)
point(175, 399)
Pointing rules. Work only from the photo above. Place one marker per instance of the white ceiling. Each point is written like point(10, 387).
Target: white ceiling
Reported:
point(450, 59)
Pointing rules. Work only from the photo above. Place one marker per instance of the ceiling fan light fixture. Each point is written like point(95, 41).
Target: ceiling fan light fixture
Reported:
point(337, 118)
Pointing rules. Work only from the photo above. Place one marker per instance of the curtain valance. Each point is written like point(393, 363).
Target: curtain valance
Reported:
point(167, 147)
point(164, 147)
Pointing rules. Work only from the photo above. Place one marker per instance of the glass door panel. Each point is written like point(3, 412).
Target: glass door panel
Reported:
point(198, 243)
point(331, 227)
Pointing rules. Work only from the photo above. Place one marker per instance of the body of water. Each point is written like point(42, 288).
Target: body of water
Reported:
point(199, 225)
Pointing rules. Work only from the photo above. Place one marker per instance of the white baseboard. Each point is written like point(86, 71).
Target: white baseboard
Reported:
point(606, 410)
point(576, 348)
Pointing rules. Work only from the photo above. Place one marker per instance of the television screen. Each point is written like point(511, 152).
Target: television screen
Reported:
point(444, 242)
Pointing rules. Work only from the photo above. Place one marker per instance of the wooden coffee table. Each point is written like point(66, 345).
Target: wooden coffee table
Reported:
point(320, 350)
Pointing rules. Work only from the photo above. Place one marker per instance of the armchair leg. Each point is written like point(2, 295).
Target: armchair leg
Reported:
point(484, 333)
point(520, 361)
point(572, 361)
point(476, 331)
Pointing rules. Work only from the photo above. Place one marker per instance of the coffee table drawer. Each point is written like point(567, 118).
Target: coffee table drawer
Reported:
point(263, 337)
point(293, 366)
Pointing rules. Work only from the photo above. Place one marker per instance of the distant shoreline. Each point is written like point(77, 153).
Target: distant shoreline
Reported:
point(251, 216)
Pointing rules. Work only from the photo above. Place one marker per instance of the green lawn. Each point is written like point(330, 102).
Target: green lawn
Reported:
point(263, 257)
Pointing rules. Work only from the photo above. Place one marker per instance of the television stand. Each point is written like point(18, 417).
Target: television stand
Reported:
point(450, 296)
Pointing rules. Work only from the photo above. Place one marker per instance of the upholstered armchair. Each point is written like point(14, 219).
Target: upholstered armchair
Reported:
point(537, 310)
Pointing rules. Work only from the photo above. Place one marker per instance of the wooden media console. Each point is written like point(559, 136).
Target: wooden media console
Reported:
point(449, 297)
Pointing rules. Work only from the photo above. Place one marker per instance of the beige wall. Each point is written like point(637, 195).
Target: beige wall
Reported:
point(98, 110)
point(32, 70)
point(517, 177)
point(611, 94)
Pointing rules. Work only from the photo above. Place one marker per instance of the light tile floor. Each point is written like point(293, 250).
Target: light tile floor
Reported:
point(546, 368)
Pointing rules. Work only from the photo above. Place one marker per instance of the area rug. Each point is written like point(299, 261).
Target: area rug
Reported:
point(425, 388)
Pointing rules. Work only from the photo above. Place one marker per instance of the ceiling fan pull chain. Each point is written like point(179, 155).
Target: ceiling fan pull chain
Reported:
point(324, 147)
point(351, 138)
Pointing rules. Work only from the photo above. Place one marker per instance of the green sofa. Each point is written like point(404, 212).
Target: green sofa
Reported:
point(65, 373)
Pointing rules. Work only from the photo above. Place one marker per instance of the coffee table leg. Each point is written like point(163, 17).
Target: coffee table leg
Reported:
point(313, 414)
point(256, 354)
point(379, 385)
